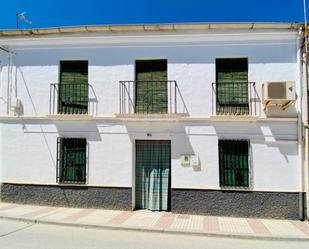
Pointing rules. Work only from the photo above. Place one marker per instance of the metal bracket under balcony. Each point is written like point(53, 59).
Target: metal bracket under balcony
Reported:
point(155, 99)
point(72, 99)
point(235, 99)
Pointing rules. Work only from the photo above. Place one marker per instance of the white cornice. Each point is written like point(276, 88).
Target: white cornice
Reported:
point(163, 38)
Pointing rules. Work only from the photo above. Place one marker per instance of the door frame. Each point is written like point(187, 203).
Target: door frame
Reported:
point(169, 199)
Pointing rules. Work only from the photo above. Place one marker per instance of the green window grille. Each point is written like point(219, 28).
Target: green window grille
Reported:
point(151, 88)
point(73, 87)
point(234, 163)
point(72, 160)
point(232, 86)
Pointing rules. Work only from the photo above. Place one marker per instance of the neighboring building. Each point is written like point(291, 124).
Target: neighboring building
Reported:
point(188, 118)
point(306, 83)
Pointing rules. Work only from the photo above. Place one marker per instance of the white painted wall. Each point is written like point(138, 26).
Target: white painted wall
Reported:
point(191, 65)
point(29, 152)
point(29, 146)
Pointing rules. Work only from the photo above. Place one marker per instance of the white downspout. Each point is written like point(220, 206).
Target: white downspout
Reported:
point(9, 85)
point(305, 168)
point(305, 115)
point(306, 134)
point(300, 122)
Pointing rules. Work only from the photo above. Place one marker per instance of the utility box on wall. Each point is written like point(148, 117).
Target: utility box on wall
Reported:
point(195, 161)
point(192, 160)
point(185, 160)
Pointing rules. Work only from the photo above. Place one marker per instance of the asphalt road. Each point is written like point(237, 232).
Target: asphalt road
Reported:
point(21, 235)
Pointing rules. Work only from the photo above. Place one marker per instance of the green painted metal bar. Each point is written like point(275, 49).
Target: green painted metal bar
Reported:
point(234, 163)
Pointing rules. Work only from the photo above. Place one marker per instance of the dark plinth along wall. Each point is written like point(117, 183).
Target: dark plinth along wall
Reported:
point(236, 203)
point(68, 196)
point(203, 202)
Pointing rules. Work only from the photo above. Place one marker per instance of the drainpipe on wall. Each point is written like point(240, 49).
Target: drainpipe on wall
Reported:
point(306, 176)
point(9, 86)
point(305, 112)
point(9, 79)
point(306, 136)
point(300, 123)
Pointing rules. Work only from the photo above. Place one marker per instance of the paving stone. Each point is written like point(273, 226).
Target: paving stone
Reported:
point(234, 225)
point(154, 220)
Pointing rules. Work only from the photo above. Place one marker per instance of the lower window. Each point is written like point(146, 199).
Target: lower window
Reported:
point(72, 160)
point(234, 163)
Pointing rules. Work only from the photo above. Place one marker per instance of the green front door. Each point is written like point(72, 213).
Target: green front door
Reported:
point(152, 184)
point(151, 86)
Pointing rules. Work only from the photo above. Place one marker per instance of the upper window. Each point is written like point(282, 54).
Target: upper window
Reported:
point(234, 163)
point(232, 86)
point(73, 87)
point(72, 160)
point(151, 90)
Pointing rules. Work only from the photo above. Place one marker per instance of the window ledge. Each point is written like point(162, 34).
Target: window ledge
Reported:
point(151, 116)
point(70, 116)
point(72, 184)
point(230, 118)
point(228, 188)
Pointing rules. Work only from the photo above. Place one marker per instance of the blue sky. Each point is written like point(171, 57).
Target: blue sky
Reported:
point(51, 13)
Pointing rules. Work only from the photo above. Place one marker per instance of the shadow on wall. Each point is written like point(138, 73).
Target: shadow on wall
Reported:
point(181, 146)
point(254, 102)
point(93, 101)
point(157, 131)
point(19, 70)
point(195, 54)
point(49, 129)
point(282, 136)
point(275, 111)
point(276, 135)
point(176, 133)
point(88, 130)
point(111, 55)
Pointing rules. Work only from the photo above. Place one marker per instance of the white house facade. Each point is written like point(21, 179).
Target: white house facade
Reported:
point(186, 118)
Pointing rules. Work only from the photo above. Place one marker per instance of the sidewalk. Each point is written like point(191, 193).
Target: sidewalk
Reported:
point(159, 222)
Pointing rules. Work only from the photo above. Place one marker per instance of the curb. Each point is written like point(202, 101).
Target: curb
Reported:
point(160, 230)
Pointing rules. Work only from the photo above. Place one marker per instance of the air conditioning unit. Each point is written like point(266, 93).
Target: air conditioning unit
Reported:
point(279, 93)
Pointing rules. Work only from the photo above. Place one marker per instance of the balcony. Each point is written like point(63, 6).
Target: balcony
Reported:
point(151, 99)
point(72, 99)
point(235, 99)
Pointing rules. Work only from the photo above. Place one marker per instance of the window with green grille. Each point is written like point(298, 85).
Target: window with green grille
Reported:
point(232, 86)
point(234, 163)
point(73, 87)
point(72, 160)
point(151, 88)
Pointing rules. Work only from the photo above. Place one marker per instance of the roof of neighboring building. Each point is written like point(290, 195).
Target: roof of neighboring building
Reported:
point(180, 27)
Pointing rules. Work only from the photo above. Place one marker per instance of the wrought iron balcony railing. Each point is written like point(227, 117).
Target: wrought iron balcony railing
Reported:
point(151, 97)
point(235, 98)
point(72, 99)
